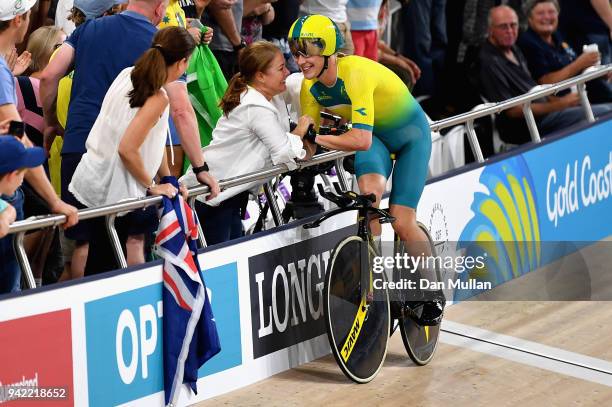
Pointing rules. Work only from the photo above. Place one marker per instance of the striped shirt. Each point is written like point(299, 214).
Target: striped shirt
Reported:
point(363, 14)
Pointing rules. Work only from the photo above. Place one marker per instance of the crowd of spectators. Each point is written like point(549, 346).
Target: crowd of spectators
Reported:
point(68, 66)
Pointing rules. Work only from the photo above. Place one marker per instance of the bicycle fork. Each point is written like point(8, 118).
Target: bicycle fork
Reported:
point(366, 284)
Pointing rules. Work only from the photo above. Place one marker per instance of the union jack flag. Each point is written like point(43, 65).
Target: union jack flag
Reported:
point(189, 328)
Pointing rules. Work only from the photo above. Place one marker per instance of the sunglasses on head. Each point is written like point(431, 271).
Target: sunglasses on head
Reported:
point(305, 47)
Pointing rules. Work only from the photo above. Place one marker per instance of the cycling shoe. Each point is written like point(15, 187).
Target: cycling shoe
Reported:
point(431, 314)
point(427, 313)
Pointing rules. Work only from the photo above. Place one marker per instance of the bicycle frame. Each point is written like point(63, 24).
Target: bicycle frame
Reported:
point(350, 201)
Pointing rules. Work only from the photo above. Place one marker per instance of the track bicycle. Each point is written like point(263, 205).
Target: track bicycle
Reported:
point(360, 317)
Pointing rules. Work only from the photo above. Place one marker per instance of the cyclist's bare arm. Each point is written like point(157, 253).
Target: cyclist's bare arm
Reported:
point(352, 140)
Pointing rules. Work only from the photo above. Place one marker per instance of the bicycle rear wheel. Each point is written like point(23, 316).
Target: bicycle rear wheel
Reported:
point(358, 330)
point(420, 341)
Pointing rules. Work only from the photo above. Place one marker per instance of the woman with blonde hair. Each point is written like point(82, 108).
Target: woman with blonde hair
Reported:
point(43, 247)
point(41, 45)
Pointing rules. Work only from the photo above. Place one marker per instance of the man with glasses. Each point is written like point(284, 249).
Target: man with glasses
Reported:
point(385, 118)
point(504, 74)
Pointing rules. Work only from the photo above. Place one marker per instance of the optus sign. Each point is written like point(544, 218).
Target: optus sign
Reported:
point(124, 338)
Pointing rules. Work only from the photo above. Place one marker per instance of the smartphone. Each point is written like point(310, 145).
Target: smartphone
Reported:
point(196, 23)
point(16, 129)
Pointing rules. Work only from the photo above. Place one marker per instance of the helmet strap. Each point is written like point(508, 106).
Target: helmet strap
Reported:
point(325, 65)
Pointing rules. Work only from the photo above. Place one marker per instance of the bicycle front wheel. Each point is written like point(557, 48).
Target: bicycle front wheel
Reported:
point(357, 327)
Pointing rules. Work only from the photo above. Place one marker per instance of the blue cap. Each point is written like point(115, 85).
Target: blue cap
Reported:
point(93, 8)
point(14, 155)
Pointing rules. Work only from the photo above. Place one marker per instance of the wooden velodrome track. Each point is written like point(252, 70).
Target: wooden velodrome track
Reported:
point(491, 353)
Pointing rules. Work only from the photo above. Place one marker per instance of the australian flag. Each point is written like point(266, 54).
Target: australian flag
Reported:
point(189, 327)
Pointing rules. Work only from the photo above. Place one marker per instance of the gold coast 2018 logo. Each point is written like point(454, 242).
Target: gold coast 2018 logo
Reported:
point(505, 226)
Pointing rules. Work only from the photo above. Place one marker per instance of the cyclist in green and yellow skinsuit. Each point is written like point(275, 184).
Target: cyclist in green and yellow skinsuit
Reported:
point(385, 118)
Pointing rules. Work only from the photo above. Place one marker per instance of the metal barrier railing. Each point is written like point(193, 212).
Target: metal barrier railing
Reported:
point(524, 101)
point(110, 211)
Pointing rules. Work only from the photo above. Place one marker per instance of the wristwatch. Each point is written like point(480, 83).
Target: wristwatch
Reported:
point(202, 168)
point(242, 44)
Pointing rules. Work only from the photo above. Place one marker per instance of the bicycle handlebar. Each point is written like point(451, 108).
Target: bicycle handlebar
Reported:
point(349, 201)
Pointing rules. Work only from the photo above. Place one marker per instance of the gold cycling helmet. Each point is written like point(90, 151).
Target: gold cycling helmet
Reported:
point(315, 35)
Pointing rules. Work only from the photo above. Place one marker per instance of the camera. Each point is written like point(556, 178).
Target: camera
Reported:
point(304, 201)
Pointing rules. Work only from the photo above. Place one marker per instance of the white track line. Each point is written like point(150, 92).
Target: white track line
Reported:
point(527, 352)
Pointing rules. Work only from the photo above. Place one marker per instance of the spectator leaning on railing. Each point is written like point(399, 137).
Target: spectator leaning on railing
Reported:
point(99, 51)
point(126, 145)
point(503, 74)
point(252, 134)
point(13, 26)
point(42, 246)
point(550, 58)
point(15, 159)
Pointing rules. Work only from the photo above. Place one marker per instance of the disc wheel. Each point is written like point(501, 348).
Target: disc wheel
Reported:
point(358, 329)
point(420, 341)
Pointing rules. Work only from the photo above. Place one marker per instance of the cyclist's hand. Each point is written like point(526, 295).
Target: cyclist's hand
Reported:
point(303, 123)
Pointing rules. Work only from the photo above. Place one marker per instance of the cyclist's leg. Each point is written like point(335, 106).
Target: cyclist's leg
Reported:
point(409, 175)
point(372, 168)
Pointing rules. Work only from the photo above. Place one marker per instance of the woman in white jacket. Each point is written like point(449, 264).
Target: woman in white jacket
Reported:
point(252, 134)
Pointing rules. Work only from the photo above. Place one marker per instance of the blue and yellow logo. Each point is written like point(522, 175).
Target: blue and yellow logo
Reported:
point(505, 228)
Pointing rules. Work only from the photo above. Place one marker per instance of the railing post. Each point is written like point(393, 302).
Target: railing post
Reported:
point(201, 238)
point(584, 100)
point(341, 174)
point(115, 242)
point(531, 123)
point(474, 143)
point(275, 210)
point(22, 258)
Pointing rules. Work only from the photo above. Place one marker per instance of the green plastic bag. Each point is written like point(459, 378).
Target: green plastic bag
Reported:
point(206, 86)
